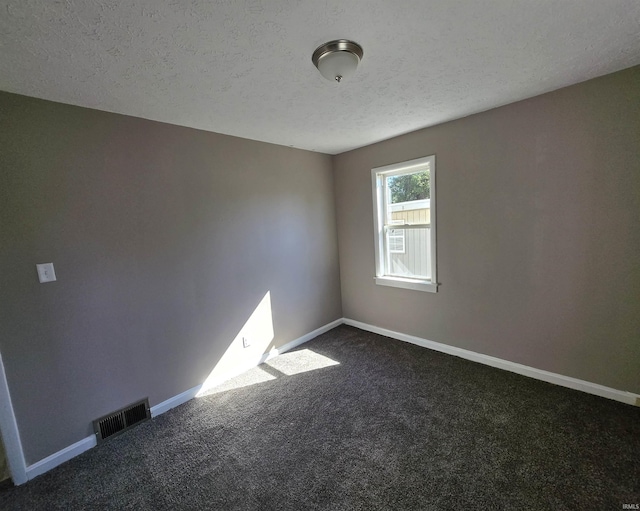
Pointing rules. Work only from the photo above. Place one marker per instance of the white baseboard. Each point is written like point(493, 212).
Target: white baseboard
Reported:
point(532, 372)
point(57, 458)
point(301, 340)
point(174, 401)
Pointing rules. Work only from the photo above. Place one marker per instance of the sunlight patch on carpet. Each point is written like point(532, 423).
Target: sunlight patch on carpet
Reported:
point(300, 362)
point(282, 366)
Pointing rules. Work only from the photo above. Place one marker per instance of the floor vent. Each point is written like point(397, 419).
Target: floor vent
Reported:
point(121, 420)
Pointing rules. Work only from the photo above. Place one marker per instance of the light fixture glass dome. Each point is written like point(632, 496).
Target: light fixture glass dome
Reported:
point(338, 59)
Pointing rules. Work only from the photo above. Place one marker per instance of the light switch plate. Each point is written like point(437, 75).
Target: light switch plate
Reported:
point(46, 273)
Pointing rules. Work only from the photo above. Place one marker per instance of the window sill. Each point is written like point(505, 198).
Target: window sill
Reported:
point(415, 284)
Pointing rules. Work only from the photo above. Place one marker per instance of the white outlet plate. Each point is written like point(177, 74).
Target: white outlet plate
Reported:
point(246, 342)
point(46, 273)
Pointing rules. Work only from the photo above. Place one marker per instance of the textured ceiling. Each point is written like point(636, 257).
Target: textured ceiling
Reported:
point(244, 67)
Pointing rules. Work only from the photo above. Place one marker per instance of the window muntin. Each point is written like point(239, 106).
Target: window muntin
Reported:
point(404, 203)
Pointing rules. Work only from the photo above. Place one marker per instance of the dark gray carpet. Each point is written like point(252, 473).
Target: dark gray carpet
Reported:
point(393, 426)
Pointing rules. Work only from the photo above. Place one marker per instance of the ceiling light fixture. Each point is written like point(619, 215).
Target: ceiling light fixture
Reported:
point(337, 59)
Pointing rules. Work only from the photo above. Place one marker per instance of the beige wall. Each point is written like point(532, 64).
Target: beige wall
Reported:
point(538, 233)
point(165, 240)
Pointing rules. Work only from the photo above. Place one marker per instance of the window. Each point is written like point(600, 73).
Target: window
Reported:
point(405, 230)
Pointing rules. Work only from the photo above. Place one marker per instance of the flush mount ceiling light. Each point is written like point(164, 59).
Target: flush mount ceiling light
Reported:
point(337, 59)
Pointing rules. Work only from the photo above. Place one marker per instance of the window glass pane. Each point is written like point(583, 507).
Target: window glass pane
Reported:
point(415, 260)
point(408, 187)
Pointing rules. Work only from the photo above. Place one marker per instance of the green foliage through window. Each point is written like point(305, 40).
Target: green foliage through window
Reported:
point(409, 187)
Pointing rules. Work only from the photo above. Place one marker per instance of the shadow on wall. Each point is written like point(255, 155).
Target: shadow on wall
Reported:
point(248, 349)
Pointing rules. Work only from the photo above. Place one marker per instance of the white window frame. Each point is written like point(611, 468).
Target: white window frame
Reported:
point(378, 176)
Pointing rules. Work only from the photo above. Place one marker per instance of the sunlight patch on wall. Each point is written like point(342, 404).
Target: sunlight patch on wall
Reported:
point(258, 331)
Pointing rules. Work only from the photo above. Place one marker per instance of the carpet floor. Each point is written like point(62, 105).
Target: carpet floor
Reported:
point(356, 421)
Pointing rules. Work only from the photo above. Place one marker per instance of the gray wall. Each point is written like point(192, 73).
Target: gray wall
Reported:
point(538, 233)
point(164, 240)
